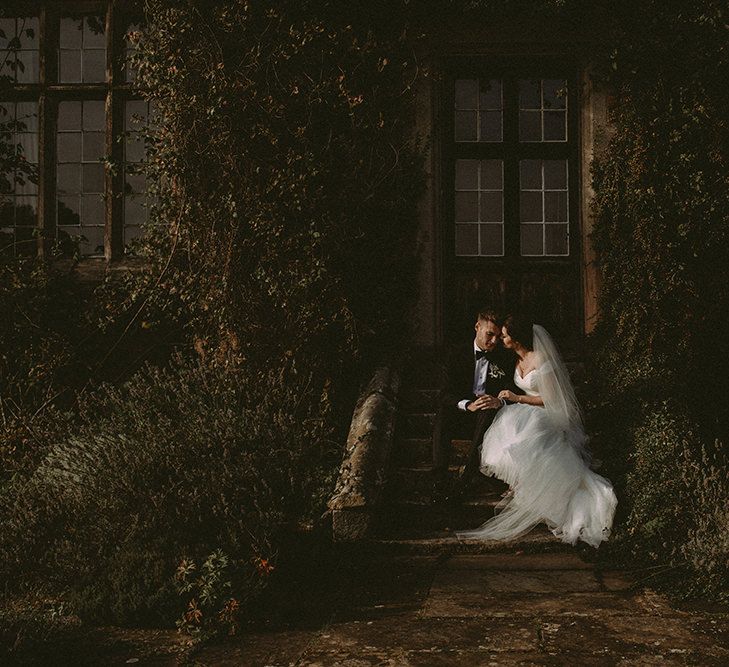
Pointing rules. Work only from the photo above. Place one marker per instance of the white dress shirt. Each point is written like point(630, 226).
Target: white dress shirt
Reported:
point(479, 376)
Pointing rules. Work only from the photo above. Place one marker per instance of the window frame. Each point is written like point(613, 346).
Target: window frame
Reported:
point(510, 150)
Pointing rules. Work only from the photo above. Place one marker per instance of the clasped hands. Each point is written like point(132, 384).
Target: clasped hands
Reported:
point(484, 402)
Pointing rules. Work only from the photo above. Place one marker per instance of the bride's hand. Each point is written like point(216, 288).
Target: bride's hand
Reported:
point(507, 395)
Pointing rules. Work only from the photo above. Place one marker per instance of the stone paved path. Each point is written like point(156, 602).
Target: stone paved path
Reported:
point(494, 609)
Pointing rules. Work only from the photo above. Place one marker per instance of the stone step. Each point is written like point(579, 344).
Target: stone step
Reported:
point(414, 452)
point(422, 372)
point(418, 400)
point(419, 518)
point(415, 425)
point(418, 483)
point(539, 540)
point(409, 452)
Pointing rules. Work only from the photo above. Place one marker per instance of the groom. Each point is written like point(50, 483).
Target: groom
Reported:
point(474, 374)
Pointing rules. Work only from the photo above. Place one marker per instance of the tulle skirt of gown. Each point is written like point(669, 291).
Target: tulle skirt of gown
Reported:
point(549, 481)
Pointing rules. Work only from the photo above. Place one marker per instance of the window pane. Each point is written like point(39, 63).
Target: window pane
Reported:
point(555, 206)
point(556, 240)
point(531, 240)
point(467, 94)
point(92, 244)
point(27, 66)
point(492, 177)
point(94, 66)
point(93, 146)
point(68, 178)
point(68, 211)
point(555, 174)
point(466, 174)
point(131, 36)
point(69, 116)
point(134, 211)
point(530, 125)
point(530, 209)
point(555, 93)
point(70, 66)
point(466, 207)
point(26, 113)
point(490, 94)
point(555, 125)
point(69, 147)
point(93, 178)
point(490, 126)
point(94, 30)
point(529, 94)
point(492, 207)
point(466, 240)
point(24, 185)
point(93, 115)
point(135, 114)
point(530, 174)
point(92, 208)
point(492, 240)
point(134, 149)
point(135, 183)
point(19, 55)
point(71, 31)
point(466, 129)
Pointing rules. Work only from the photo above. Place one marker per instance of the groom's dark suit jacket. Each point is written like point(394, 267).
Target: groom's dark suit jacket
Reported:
point(456, 385)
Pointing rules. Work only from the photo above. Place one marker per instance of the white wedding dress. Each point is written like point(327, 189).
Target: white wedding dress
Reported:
point(539, 452)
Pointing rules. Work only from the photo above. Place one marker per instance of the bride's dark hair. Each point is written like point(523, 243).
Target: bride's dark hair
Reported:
point(521, 329)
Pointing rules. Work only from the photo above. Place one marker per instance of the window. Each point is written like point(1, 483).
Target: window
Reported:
point(70, 94)
point(510, 165)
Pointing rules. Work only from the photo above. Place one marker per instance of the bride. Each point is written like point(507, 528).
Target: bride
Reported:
point(536, 444)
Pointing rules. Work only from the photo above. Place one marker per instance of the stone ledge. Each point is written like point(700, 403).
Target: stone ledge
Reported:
point(369, 444)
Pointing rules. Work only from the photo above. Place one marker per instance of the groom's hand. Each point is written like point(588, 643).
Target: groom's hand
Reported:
point(484, 402)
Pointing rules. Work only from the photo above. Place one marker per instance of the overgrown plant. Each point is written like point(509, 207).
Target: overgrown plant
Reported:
point(662, 237)
point(177, 462)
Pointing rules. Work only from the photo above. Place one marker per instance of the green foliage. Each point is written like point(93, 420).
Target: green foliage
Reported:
point(211, 606)
point(662, 233)
point(167, 466)
point(287, 175)
point(41, 332)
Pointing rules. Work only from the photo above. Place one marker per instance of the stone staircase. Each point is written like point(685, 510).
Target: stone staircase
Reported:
point(413, 521)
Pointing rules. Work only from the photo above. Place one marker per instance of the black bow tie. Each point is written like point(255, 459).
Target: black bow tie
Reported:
point(481, 354)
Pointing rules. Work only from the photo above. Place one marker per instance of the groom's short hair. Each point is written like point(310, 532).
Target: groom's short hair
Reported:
point(490, 315)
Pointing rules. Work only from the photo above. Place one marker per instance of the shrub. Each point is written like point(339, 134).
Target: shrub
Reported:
point(174, 463)
point(661, 233)
point(40, 360)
